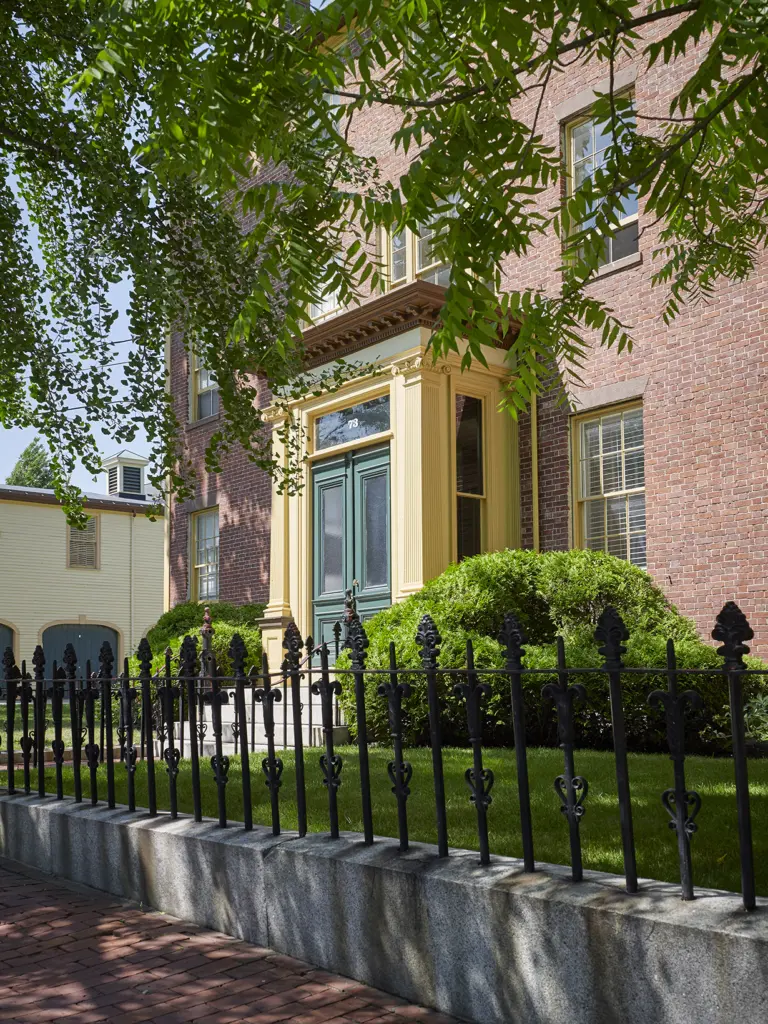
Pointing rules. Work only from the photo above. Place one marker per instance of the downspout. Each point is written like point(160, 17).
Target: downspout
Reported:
point(535, 471)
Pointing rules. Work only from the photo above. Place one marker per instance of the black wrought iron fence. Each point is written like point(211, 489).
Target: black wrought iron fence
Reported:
point(149, 714)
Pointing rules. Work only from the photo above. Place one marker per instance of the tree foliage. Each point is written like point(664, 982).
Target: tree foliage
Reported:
point(33, 468)
point(189, 146)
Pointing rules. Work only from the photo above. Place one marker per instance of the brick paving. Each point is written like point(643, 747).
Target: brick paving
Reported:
point(71, 954)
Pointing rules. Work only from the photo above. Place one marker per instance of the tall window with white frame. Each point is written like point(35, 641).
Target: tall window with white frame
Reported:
point(611, 484)
point(205, 391)
point(205, 550)
point(588, 141)
point(470, 477)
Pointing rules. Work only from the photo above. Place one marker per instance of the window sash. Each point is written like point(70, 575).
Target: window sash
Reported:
point(611, 502)
point(593, 158)
point(406, 250)
point(469, 504)
point(205, 553)
point(205, 388)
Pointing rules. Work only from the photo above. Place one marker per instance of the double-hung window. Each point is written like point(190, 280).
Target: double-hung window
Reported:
point(205, 552)
point(611, 484)
point(205, 391)
point(588, 142)
point(327, 307)
point(411, 256)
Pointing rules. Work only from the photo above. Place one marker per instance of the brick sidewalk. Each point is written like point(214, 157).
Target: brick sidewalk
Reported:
point(72, 954)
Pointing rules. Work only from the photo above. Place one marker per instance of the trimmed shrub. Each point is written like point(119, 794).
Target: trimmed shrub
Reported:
point(222, 638)
point(188, 618)
point(554, 593)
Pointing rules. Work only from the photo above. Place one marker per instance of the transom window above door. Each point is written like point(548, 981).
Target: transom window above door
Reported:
point(611, 484)
point(358, 421)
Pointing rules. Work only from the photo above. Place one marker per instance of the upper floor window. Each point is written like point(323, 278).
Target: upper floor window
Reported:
point(588, 142)
point(411, 256)
point(205, 391)
point(205, 552)
point(83, 545)
point(328, 306)
point(610, 458)
point(470, 476)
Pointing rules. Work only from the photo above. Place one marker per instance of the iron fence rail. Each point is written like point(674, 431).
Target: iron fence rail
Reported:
point(197, 685)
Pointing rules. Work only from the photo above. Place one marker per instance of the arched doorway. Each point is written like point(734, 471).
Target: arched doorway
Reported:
point(6, 637)
point(86, 640)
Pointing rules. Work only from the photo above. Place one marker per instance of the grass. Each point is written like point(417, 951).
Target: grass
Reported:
point(715, 845)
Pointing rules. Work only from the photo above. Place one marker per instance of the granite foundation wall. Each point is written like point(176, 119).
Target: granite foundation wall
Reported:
point(488, 944)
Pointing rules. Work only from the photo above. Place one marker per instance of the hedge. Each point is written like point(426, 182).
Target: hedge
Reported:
point(188, 618)
point(553, 593)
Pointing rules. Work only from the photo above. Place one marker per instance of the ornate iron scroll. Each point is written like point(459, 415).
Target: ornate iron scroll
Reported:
point(272, 766)
point(478, 778)
point(571, 788)
point(512, 638)
point(330, 762)
point(399, 770)
point(681, 804)
point(429, 640)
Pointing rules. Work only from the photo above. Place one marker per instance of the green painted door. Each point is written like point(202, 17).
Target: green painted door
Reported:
point(351, 536)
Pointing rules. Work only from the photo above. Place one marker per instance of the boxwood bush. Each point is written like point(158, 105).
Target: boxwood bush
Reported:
point(188, 618)
point(222, 637)
point(553, 593)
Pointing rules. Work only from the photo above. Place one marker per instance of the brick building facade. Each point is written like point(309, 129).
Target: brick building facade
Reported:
point(701, 383)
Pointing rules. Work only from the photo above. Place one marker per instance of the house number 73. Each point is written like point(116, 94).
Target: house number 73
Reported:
point(352, 424)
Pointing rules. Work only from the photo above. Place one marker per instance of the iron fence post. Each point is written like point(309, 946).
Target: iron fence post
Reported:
point(292, 644)
point(731, 630)
point(681, 804)
point(400, 771)
point(38, 660)
point(237, 656)
point(612, 632)
point(479, 779)
point(513, 639)
point(272, 766)
point(429, 640)
point(11, 674)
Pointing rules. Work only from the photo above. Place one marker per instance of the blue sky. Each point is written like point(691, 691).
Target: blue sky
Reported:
point(14, 441)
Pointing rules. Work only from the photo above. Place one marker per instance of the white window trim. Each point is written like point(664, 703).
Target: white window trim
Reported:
point(580, 500)
point(196, 367)
point(193, 563)
point(413, 272)
point(570, 165)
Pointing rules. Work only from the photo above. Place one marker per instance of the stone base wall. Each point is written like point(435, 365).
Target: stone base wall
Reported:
point(488, 944)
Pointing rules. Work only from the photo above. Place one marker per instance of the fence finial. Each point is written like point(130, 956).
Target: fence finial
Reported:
point(358, 643)
point(292, 644)
point(38, 660)
point(207, 626)
point(731, 630)
point(9, 662)
point(429, 640)
point(144, 654)
point(611, 632)
point(70, 661)
point(188, 663)
point(512, 636)
point(106, 660)
point(237, 654)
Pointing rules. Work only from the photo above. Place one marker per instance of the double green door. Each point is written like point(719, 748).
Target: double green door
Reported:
point(351, 537)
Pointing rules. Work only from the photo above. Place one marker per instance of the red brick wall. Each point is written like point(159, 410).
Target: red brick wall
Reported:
point(706, 411)
point(242, 493)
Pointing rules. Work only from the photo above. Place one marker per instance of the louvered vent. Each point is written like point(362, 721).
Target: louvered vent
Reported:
point(112, 486)
point(82, 546)
point(131, 480)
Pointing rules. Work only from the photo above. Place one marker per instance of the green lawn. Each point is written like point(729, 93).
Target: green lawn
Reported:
point(715, 845)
